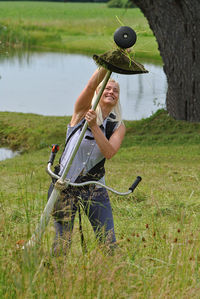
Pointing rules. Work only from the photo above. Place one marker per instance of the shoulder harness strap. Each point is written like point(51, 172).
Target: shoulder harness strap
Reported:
point(110, 125)
point(70, 136)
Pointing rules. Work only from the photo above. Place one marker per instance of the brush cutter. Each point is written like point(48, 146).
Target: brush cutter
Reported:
point(116, 61)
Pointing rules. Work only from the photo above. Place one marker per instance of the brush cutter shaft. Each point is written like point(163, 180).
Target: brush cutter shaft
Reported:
point(45, 217)
point(44, 220)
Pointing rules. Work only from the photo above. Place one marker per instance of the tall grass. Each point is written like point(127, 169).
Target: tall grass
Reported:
point(72, 27)
point(157, 227)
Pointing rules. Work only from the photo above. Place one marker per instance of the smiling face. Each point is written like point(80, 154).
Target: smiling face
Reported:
point(110, 94)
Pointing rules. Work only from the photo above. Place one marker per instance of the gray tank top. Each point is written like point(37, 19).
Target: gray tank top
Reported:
point(87, 156)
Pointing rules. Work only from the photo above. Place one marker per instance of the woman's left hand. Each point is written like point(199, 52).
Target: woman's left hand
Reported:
point(91, 118)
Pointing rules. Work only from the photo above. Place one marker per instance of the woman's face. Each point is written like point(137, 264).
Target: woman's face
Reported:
point(110, 94)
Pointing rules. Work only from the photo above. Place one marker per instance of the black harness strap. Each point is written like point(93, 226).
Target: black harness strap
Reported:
point(98, 171)
point(83, 244)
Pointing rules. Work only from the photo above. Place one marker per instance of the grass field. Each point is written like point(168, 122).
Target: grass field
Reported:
point(86, 28)
point(157, 227)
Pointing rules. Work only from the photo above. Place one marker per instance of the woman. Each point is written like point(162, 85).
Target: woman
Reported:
point(102, 140)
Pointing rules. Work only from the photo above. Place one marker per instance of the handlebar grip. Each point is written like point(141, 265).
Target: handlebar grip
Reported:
point(54, 150)
point(138, 179)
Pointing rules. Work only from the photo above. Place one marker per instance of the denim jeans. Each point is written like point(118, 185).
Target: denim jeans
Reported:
point(96, 205)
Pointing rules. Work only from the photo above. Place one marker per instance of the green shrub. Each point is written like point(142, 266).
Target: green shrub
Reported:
point(120, 4)
point(129, 4)
point(114, 3)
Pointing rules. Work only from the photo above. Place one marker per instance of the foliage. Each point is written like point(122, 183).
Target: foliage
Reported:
point(121, 4)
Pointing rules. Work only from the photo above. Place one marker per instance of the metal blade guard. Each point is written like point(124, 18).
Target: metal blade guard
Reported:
point(119, 62)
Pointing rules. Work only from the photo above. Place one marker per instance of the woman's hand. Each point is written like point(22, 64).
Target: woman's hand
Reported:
point(91, 118)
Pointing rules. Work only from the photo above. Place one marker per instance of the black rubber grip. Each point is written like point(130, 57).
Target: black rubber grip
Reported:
point(51, 158)
point(138, 179)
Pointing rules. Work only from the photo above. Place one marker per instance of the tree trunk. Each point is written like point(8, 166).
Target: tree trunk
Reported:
point(176, 26)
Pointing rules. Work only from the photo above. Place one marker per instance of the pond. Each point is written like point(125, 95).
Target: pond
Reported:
point(49, 83)
point(6, 153)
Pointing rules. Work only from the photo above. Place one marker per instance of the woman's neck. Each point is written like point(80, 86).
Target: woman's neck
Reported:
point(105, 111)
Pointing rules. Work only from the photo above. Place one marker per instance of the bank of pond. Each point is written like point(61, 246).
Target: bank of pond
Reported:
point(29, 132)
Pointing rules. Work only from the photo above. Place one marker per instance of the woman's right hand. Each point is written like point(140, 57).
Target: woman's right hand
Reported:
point(91, 118)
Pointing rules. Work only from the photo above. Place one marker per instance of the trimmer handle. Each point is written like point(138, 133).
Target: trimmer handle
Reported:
point(138, 179)
point(54, 150)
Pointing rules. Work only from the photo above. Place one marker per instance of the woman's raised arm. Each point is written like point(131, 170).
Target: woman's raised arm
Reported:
point(83, 102)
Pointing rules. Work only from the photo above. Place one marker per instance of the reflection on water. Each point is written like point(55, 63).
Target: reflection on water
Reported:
point(6, 153)
point(48, 84)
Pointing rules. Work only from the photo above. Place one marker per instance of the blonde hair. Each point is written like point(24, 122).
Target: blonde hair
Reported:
point(116, 110)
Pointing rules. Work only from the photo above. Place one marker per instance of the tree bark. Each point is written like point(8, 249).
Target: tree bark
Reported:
point(176, 26)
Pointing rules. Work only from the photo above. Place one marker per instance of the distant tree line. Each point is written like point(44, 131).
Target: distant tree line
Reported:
point(59, 0)
point(111, 3)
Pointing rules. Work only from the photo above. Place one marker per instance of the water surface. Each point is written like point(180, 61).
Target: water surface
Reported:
point(6, 153)
point(49, 83)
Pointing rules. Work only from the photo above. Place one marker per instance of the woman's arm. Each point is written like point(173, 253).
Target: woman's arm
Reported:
point(83, 102)
point(107, 147)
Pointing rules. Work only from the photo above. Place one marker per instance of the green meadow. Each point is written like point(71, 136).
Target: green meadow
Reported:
point(72, 27)
point(157, 227)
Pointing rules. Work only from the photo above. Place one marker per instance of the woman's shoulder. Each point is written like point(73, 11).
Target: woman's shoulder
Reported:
point(74, 128)
point(76, 119)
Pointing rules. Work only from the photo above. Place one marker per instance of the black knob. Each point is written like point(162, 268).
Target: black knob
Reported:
point(125, 37)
